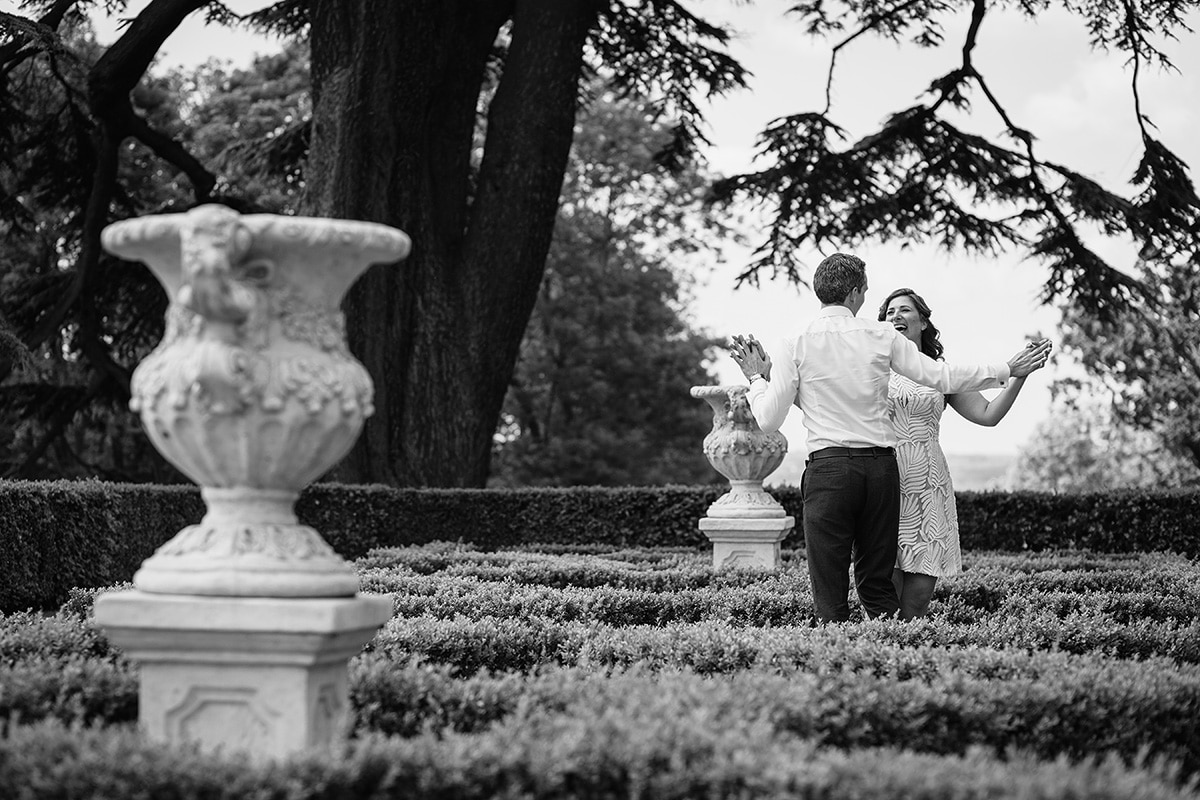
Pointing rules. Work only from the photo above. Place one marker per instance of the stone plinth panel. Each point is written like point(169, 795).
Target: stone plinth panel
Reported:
point(266, 676)
point(746, 542)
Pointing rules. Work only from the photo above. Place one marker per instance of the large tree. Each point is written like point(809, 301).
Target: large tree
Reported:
point(396, 139)
point(400, 90)
point(600, 391)
point(452, 119)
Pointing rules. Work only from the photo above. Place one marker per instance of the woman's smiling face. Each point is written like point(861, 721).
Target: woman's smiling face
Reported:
point(903, 315)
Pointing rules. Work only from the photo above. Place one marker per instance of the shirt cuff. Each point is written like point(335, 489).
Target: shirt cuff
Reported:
point(1004, 373)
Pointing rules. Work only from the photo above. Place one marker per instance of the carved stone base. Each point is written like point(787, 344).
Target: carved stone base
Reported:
point(249, 544)
point(746, 542)
point(265, 676)
point(745, 499)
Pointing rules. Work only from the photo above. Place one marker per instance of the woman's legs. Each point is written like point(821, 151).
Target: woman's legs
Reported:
point(915, 590)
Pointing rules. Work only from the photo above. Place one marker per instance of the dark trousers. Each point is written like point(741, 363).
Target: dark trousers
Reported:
point(851, 513)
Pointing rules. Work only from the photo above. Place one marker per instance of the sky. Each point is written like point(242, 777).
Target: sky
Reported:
point(1075, 100)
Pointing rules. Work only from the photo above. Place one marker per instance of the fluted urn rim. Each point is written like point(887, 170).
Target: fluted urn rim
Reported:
point(723, 390)
point(380, 243)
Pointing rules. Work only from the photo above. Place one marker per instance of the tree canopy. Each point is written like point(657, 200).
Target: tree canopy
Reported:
point(64, 413)
point(920, 177)
point(453, 120)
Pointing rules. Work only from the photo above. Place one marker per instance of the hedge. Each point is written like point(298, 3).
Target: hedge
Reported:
point(58, 535)
point(1077, 674)
point(549, 757)
point(934, 701)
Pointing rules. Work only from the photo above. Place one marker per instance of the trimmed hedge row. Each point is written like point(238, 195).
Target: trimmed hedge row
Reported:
point(1083, 708)
point(545, 756)
point(854, 694)
point(59, 535)
point(446, 581)
point(1052, 670)
point(511, 643)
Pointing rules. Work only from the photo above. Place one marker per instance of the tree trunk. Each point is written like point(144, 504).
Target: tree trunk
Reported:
point(396, 86)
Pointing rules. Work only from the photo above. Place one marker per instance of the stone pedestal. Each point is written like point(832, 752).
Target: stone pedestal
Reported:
point(746, 524)
point(746, 542)
point(263, 675)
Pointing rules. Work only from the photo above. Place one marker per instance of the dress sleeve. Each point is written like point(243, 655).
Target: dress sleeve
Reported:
point(771, 400)
point(946, 378)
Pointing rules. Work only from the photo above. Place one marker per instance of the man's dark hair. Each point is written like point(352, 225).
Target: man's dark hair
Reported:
point(837, 275)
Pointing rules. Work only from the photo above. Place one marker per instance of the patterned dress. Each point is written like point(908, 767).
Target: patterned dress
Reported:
point(928, 516)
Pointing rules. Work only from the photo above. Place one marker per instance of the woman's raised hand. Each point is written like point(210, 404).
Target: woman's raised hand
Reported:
point(1033, 357)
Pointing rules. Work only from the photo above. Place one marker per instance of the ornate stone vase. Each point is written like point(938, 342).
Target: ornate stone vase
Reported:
point(252, 392)
point(742, 452)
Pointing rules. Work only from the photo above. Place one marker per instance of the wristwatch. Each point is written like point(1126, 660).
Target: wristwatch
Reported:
point(757, 376)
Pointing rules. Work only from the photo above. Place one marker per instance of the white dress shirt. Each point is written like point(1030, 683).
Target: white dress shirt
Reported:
point(837, 373)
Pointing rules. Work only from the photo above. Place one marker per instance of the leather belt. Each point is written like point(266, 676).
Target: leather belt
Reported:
point(852, 452)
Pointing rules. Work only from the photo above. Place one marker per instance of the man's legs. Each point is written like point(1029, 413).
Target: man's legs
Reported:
point(877, 530)
point(831, 492)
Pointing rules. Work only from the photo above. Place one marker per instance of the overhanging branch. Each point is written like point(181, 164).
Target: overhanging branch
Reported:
point(872, 22)
point(173, 152)
point(110, 82)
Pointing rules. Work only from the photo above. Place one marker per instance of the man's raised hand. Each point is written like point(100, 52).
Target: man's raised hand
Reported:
point(749, 354)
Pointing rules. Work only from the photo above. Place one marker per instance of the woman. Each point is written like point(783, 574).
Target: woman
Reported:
point(928, 545)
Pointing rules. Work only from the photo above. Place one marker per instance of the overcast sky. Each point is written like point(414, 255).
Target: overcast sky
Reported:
point(1077, 102)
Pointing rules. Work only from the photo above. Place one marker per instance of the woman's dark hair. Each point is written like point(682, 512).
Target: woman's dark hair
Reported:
point(930, 344)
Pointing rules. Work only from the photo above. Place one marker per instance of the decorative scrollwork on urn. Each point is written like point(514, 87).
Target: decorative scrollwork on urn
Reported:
point(298, 542)
point(742, 452)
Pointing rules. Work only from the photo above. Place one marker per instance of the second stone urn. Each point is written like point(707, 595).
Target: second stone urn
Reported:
point(252, 392)
point(742, 452)
point(746, 524)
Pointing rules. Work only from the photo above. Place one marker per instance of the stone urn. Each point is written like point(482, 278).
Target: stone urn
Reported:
point(242, 626)
point(746, 524)
point(252, 392)
point(742, 452)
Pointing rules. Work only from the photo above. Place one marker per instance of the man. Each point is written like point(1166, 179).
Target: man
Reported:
point(837, 372)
